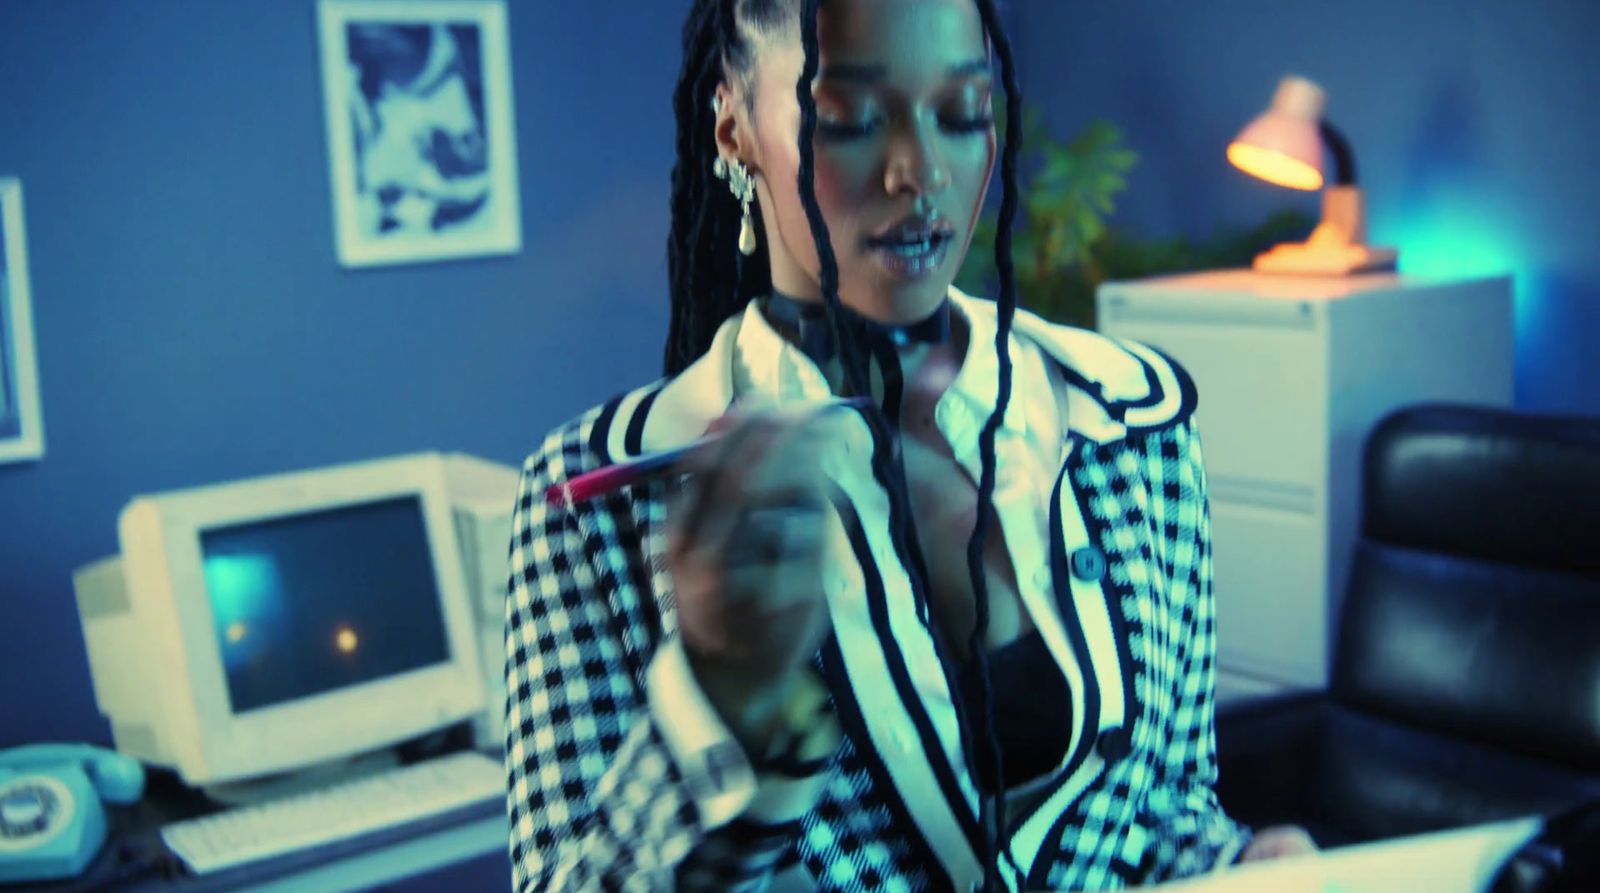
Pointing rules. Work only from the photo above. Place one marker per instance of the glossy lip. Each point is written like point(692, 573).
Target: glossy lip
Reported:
point(913, 228)
point(912, 267)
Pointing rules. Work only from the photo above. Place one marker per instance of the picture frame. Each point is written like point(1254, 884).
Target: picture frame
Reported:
point(421, 137)
point(21, 423)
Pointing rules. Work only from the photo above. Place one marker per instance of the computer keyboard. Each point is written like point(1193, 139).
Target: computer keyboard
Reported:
point(349, 809)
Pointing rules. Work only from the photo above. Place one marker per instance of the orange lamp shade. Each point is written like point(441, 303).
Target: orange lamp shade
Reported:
point(1284, 144)
point(1273, 166)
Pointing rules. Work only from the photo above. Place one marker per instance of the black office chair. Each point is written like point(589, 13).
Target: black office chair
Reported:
point(1465, 686)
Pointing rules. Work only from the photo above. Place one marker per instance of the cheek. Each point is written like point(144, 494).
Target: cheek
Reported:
point(973, 160)
point(972, 170)
point(782, 176)
point(842, 181)
point(991, 154)
point(842, 188)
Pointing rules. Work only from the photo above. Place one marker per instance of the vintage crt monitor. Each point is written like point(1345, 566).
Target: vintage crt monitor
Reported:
point(269, 625)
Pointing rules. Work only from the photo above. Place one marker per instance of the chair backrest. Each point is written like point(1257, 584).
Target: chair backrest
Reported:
point(1474, 600)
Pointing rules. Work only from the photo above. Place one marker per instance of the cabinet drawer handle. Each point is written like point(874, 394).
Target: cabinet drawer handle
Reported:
point(1279, 495)
point(1293, 315)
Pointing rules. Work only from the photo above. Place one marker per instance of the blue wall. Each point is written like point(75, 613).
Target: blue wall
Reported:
point(193, 325)
point(1473, 123)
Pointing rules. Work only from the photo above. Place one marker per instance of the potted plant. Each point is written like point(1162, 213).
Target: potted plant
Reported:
point(1063, 245)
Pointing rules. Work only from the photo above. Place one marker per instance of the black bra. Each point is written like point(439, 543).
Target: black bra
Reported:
point(1032, 711)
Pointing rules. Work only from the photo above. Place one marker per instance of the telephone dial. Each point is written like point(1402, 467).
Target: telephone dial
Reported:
point(51, 819)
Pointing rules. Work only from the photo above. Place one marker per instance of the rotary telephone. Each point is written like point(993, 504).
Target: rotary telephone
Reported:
point(52, 822)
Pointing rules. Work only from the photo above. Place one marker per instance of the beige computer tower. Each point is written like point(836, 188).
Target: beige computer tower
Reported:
point(482, 494)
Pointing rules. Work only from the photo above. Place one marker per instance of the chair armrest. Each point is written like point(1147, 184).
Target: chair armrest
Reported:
point(1266, 750)
point(1275, 704)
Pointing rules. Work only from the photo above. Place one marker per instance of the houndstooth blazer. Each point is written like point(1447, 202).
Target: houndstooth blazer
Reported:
point(621, 777)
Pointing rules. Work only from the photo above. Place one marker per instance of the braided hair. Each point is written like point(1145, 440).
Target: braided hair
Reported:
point(709, 280)
point(709, 283)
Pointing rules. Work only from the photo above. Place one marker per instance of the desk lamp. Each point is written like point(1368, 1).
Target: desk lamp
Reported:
point(1284, 146)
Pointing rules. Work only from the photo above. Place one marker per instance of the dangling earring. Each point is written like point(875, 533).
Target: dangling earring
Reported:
point(744, 190)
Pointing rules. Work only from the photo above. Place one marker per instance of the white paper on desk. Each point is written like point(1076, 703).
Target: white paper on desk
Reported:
point(1459, 861)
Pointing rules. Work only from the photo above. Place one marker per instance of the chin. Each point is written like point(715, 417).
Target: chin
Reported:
point(913, 301)
point(892, 300)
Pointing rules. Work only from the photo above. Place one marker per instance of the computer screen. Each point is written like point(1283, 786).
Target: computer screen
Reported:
point(314, 602)
point(266, 625)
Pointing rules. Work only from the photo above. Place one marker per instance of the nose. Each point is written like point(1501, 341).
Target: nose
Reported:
point(915, 164)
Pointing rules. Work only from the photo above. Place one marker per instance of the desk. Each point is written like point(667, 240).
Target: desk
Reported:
point(475, 834)
point(477, 838)
point(1458, 861)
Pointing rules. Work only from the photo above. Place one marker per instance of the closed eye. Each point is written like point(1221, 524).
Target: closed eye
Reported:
point(970, 125)
point(839, 130)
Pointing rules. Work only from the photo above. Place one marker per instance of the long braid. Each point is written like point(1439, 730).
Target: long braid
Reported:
point(986, 441)
point(687, 264)
point(708, 281)
point(709, 284)
point(857, 378)
point(856, 375)
point(889, 470)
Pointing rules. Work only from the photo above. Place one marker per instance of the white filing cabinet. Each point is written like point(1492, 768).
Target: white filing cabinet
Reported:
point(1292, 373)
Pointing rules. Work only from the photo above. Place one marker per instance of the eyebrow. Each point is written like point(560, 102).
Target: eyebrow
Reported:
point(872, 74)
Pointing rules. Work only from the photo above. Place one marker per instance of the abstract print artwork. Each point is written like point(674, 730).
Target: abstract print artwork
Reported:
point(21, 428)
point(421, 142)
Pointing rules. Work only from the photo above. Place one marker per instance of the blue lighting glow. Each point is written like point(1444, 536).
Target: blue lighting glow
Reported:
point(246, 603)
point(1464, 242)
point(1452, 235)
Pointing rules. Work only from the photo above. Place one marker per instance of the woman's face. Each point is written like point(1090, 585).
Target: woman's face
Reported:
point(905, 146)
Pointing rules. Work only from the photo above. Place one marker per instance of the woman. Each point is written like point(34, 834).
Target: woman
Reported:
point(959, 637)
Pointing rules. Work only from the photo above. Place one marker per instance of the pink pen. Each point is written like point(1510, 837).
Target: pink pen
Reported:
point(658, 464)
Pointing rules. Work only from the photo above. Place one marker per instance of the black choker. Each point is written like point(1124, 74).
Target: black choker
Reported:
point(807, 323)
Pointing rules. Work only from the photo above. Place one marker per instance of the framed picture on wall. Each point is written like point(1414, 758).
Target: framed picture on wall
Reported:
point(21, 429)
point(421, 144)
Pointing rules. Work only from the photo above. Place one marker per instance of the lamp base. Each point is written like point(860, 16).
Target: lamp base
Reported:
point(1337, 247)
point(1306, 259)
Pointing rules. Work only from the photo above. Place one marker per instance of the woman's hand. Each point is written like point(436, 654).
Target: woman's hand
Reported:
point(1278, 842)
point(744, 548)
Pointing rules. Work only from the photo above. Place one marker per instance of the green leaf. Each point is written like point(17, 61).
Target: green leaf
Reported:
point(1065, 245)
